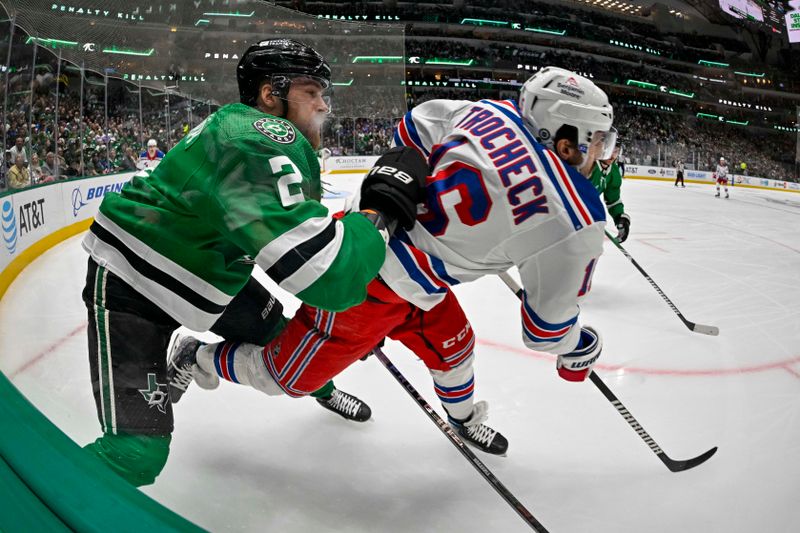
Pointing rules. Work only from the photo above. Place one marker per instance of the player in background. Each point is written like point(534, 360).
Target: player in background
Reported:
point(621, 161)
point(496, 199)
point(679, 168)
point(607, 179)
point(151, 157)
point(721, 176)
point(323, 155)
point(178, 244)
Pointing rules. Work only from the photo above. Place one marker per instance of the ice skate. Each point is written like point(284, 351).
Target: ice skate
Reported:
point(474, 432)
point(182, 368)
point(346, 406)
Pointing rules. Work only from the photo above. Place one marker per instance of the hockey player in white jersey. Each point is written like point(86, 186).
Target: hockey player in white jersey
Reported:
point(721, 176)
point(496, 199)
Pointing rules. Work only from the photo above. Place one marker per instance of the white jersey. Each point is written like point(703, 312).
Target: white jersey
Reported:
point(145, 161)
point(722, 171)
point(496, 199)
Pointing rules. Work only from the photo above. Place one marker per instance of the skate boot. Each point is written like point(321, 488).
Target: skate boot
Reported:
point(474, 432)
point(182, 368)
point(346, 406)
point(716, 195)
point(727, 195)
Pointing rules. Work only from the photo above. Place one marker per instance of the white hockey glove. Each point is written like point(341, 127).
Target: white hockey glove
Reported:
point(577, 364)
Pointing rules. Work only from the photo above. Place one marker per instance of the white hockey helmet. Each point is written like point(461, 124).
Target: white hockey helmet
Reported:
point(555, 97)
point(721, 159)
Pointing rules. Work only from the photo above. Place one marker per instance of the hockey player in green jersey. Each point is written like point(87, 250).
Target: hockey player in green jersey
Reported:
point(607, 179)
point(177, 246)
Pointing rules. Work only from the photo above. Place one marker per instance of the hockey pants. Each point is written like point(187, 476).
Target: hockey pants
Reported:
point(317, 345)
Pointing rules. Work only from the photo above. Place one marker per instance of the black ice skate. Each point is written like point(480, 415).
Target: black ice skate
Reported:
point(346, 405)
point(182, 367)
point(475, 433)
point(716, 195)
point(727, 195)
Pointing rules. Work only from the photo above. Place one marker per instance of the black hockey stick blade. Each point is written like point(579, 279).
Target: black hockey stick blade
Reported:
point(445, 428)
point(680, 466)
point(672, 464)
point(697, 328)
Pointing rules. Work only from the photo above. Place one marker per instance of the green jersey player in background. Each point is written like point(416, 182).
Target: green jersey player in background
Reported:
point(177, 246)
point(607, 179)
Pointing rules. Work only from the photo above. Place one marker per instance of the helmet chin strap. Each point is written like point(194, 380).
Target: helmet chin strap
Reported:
point(279, 94)
point(285, 107)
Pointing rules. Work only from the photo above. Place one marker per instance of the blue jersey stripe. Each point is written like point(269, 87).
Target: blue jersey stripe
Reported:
point(413, 133)
point(413, 270)
point(543, 324)
point(442, 149)
point(537, 339)
point(437, 264)
point(441, 271)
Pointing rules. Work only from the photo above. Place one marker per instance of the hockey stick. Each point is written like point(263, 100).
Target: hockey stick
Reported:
point(445, 428)
point(697, 328)
point(672, 464)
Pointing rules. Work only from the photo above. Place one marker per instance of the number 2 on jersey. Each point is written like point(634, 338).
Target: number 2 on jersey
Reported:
point(459, 191)
point(278, 164)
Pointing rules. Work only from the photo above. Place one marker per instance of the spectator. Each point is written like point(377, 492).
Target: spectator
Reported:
point(51, 166)
point(18, 175)
point(128, 162)
point(18, 148)
point(35, 170)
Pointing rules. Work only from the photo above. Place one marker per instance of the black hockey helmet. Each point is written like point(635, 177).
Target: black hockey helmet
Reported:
point(279, 60)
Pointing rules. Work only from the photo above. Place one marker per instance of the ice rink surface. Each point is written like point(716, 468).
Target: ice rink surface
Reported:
point(242, 461)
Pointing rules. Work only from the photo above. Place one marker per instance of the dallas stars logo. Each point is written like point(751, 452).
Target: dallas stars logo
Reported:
point(154, 395)
point(279, 131)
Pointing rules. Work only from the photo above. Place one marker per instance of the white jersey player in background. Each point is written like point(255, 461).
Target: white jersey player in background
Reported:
point(721, 176)
point(496, 199)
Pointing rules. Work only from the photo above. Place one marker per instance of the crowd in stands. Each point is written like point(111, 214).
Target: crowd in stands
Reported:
point(649, 136)
point(100, 129)
point(586, 27)
point(85, 138)
point(654, 138)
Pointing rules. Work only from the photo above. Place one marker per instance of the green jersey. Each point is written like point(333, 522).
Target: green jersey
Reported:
point(608, 183)
point(241, 189)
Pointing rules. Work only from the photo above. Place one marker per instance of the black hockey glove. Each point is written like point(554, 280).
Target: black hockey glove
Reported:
point(623, 227)
point(394, 187)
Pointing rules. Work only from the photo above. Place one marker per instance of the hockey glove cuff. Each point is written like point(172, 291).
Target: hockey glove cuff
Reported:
point(395, 185)
point(623, 227)
point(577, 364)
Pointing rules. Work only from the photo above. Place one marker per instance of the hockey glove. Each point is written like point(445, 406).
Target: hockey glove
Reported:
point(577, 364)
point(394, 187)
point(623, 227)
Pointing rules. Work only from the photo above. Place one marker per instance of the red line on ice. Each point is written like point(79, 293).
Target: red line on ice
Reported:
point(784, 364)
point(47, 351)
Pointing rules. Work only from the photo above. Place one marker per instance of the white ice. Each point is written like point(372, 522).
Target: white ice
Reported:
point(242, 461)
